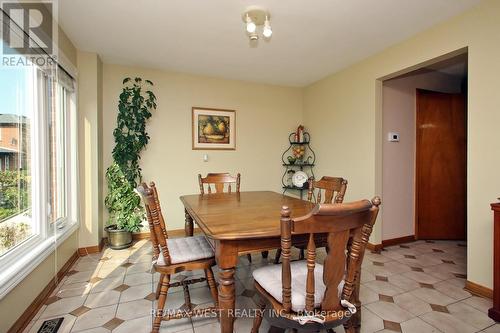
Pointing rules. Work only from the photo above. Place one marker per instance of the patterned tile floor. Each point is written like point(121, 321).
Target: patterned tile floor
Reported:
point(416, 287)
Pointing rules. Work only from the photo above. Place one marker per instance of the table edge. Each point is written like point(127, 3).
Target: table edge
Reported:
point(228, 237)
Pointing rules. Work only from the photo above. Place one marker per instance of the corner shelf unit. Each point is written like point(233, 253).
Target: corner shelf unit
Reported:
point(306, 164)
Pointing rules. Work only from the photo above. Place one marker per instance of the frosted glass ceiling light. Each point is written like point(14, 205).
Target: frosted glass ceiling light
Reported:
point(267, 31)
point(255, 17)
point(251, 27)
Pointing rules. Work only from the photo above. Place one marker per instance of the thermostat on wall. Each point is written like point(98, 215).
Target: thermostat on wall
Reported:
point(393, 137)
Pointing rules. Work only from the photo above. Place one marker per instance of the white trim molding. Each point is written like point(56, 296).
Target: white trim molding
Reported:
point(12, 275)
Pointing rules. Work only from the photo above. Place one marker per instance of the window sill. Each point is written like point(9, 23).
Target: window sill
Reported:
point(11, 276)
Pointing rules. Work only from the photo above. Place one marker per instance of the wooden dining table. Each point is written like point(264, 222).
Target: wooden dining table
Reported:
point(236, 224)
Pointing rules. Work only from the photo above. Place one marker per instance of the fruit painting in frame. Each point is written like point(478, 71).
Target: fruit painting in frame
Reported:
point(214, 129)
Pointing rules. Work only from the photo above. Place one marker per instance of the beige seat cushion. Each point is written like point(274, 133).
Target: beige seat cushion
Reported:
point(269, 278)
point(186, 249)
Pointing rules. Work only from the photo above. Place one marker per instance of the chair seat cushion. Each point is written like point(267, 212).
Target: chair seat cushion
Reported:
point(269, 278)
point(186, 249)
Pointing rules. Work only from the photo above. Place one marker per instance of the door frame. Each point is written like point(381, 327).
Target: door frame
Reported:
point(376, 237)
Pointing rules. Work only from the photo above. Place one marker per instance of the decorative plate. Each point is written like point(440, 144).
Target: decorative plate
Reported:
point(299, 178)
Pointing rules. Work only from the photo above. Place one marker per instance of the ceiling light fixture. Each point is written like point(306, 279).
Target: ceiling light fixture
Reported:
point(254, 18)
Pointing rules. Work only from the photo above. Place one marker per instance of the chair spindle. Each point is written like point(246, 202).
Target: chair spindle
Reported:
point(286, 243)
point(311, 262)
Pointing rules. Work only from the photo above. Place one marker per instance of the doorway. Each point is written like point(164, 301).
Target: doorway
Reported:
point(424, 152)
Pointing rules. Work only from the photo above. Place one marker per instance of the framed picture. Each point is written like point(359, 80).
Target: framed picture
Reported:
point(214, 129)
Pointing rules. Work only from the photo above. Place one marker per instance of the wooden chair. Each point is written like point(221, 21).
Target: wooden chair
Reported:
point(219, 181)
point(308, 296)
point(330, 186)
point(173, 256)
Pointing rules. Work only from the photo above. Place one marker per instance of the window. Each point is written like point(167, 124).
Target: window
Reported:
point(18, 106)
point(38, 181)
point(38, 111)
point(38, 151)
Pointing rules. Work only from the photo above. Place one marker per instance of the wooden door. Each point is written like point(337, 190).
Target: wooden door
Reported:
point(441, 162)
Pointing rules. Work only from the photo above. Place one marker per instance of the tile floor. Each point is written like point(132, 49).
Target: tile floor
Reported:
point(416, 287)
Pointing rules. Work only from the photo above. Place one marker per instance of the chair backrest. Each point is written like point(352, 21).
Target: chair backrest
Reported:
point(157, 226)
point(348, 227)
point(330, 185)
point(218, 180)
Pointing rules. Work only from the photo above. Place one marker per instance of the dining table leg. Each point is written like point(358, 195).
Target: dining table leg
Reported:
point(227, 259)
point(188, 226)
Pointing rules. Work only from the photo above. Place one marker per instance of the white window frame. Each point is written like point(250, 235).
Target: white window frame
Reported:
point(17, 263)
point(70, 167)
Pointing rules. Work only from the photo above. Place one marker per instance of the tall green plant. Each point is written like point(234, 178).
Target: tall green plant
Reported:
point(135, 104)
point(134, 109)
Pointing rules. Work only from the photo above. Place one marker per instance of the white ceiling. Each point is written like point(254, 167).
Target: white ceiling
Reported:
point(311, 39)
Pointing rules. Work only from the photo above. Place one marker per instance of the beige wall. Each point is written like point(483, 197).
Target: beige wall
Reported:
point(398, 161)
point(66, 47)
point(265, 115)
point(19, 298)
point(90, 147)
point(344, 113)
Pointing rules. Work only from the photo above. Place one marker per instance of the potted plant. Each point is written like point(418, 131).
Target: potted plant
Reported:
point(123, 203)
point(124, 209)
